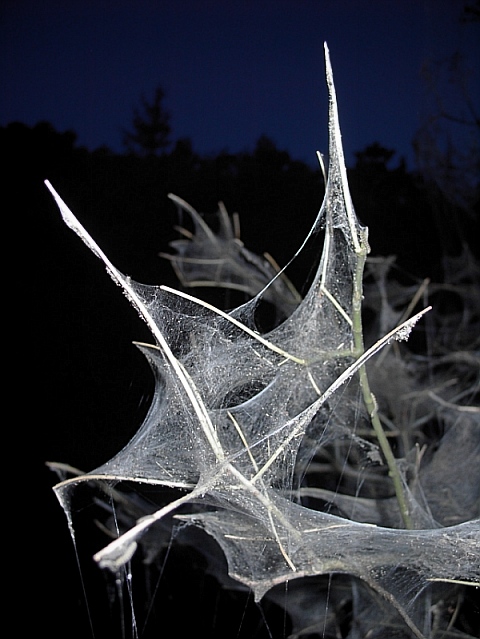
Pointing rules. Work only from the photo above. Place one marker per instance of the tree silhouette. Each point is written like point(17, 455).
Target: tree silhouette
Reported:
point(374, 156)
point(151, 127)
point(471, 12)
point(447, 143)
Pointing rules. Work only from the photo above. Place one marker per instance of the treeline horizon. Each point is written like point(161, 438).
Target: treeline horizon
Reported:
point(276, 196)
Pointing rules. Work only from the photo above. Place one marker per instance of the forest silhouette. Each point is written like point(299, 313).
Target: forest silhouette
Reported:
point(275, 195)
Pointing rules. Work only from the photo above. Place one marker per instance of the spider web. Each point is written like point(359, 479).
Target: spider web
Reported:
point(233, 408)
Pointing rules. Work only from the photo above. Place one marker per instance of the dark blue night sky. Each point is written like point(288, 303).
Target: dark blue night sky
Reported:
point(231, 71)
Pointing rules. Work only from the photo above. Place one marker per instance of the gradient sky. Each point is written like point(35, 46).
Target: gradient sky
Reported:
point(231, 71)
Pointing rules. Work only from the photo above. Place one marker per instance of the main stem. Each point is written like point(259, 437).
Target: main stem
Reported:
point(368, 396)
